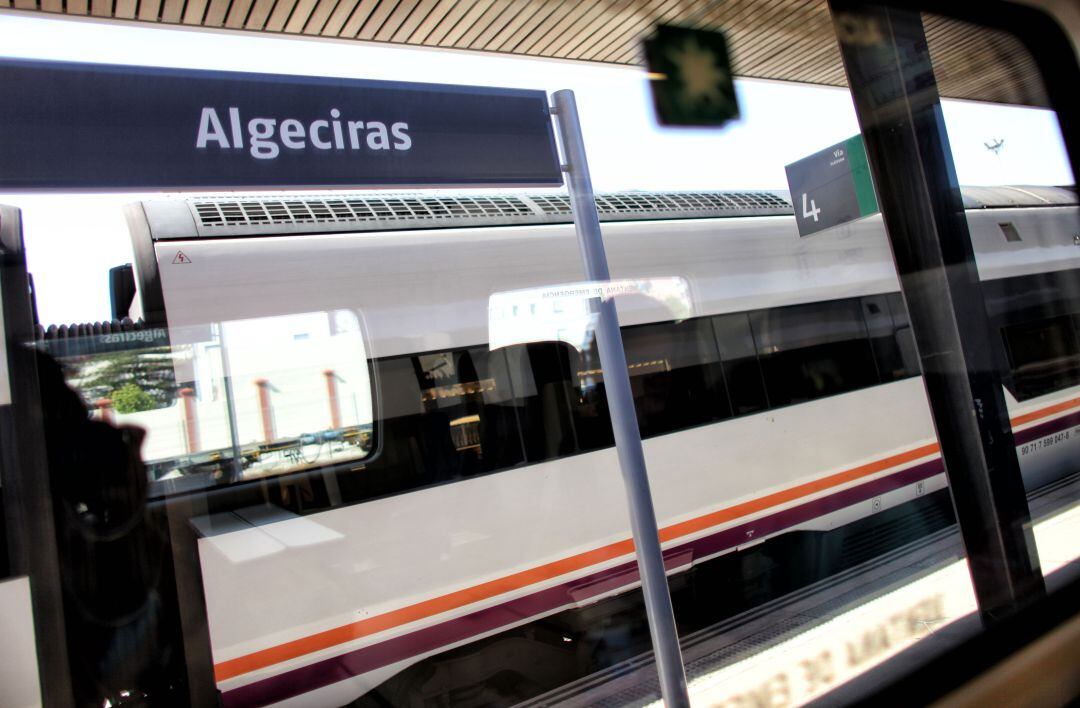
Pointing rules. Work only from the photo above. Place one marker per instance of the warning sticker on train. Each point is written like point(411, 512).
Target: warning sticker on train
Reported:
point(831, 187)
point(180, 259)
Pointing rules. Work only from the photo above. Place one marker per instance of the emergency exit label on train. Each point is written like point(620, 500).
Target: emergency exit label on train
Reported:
point(831, 187)
point(94, 126)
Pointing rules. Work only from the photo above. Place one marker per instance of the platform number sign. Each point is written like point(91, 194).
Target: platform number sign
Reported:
point(831, 187)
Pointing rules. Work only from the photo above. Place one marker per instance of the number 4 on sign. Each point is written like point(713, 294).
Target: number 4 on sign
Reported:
point(811, 211)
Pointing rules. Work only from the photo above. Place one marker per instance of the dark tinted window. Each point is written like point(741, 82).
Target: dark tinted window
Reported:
point(815, 350)
point(592, 421)
point(1044, 356)
point(675, 376)
point(902, 334)
point(742, 372)
point(445, 415)
point(1037, 315)
point(563, 407)
point(467, 398)
point(890, 336)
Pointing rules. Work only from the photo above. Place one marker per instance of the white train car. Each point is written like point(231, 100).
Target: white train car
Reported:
point(779, 391)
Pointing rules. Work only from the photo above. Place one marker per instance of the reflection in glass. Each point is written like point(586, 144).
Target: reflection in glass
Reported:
point(231, 401)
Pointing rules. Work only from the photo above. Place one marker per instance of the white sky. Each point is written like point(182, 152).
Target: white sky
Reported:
point(72, 240)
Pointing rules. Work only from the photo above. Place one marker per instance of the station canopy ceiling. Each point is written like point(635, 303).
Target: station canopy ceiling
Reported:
point(786, 40)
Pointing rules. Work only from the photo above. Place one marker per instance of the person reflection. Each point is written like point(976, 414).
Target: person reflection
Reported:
point(112, 552)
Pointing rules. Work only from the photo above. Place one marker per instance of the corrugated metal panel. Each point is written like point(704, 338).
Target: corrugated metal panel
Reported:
point(125, 9)
point(423, 10)
point(298, 18)
point(194, 11)
point(215, 13)
point(170, 11)
point(260, 13)
point(787, 40)
point(281, 13)
point(150, 10)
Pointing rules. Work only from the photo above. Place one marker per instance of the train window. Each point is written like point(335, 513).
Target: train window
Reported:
point(889, 340)
point(1008, 229)
point(675, 376)
point(230, 402)
point(742, 371)
point(564, 410)
point(1036, 317)
point(446, 415)
point(592, 420)
point(407, 457)
point(1044, 356)
point(811, 351)
point(904, 338)
point(469, 390)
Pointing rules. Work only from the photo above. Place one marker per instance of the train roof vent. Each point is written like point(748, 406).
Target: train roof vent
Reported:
point(282, 215)
point(659, 205)
point(294, 214)
point(288, 211)
point(555, 204)
point(713, 202)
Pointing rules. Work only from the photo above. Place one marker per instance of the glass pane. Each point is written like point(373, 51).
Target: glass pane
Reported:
point(345, 461)
point(1025, 235)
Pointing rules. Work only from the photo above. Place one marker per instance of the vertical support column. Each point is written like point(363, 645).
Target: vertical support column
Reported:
point(650, 559)
point(266, 410)
point(896, 98)
point(191, 419)
point(24, 470)
point(332, 399)
point(230, 403)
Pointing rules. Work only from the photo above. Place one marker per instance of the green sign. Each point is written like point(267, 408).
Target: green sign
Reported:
point(691, 78)
point(831, 187)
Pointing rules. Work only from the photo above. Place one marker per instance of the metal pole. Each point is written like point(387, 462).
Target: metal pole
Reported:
point(230, 405)
point(896, 99)
point(650, 560)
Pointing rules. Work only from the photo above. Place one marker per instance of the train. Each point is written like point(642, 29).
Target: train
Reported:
point(470, 484)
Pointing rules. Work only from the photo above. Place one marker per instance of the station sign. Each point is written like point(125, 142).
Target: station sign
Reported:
point(831, 187)
point(96, 126)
